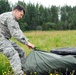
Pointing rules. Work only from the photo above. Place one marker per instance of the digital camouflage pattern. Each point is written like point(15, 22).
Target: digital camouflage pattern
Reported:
point(9, 27)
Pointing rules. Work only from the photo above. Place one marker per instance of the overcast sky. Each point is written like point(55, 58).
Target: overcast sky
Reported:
point(48, 3)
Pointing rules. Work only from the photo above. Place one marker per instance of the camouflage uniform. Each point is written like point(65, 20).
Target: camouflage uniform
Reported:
point(9, 27)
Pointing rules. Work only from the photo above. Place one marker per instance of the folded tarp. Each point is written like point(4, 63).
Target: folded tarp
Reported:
point(64, 51)
point(43, 63)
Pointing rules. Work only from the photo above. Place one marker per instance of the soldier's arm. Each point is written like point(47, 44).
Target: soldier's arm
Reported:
point(15, 31)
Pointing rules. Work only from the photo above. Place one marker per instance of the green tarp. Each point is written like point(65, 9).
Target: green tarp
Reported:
point(43, 63)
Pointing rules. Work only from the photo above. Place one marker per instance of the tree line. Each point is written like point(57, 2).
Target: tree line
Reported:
point(38, 17)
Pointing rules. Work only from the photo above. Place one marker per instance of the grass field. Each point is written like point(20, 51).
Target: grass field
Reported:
point(47, 40)
point(43, 40)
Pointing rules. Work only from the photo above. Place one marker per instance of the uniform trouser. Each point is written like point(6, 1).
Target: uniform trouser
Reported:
point(14, 54)
point(20, 52)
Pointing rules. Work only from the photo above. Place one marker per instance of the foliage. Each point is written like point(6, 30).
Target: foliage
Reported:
point(39, 28)
point(5, 68)
point(49, 26)
point(36, 16)
point(4, 6)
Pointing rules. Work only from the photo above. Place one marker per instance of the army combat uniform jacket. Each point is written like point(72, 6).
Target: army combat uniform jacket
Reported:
point(9, 27)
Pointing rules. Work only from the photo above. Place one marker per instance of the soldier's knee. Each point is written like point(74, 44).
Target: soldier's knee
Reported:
point(21, 54)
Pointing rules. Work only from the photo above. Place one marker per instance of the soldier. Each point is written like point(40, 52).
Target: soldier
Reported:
point(9, 27)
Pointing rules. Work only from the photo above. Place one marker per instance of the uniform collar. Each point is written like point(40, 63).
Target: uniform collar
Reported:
point(13, 16)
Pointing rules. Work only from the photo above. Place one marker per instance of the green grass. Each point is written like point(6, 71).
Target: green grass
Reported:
point(43, 40)
point(47, 40)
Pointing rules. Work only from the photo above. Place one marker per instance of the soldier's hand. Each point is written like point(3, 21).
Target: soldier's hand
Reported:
point(30, 45)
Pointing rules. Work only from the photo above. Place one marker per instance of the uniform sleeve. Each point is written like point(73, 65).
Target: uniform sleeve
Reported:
point(15, 31)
